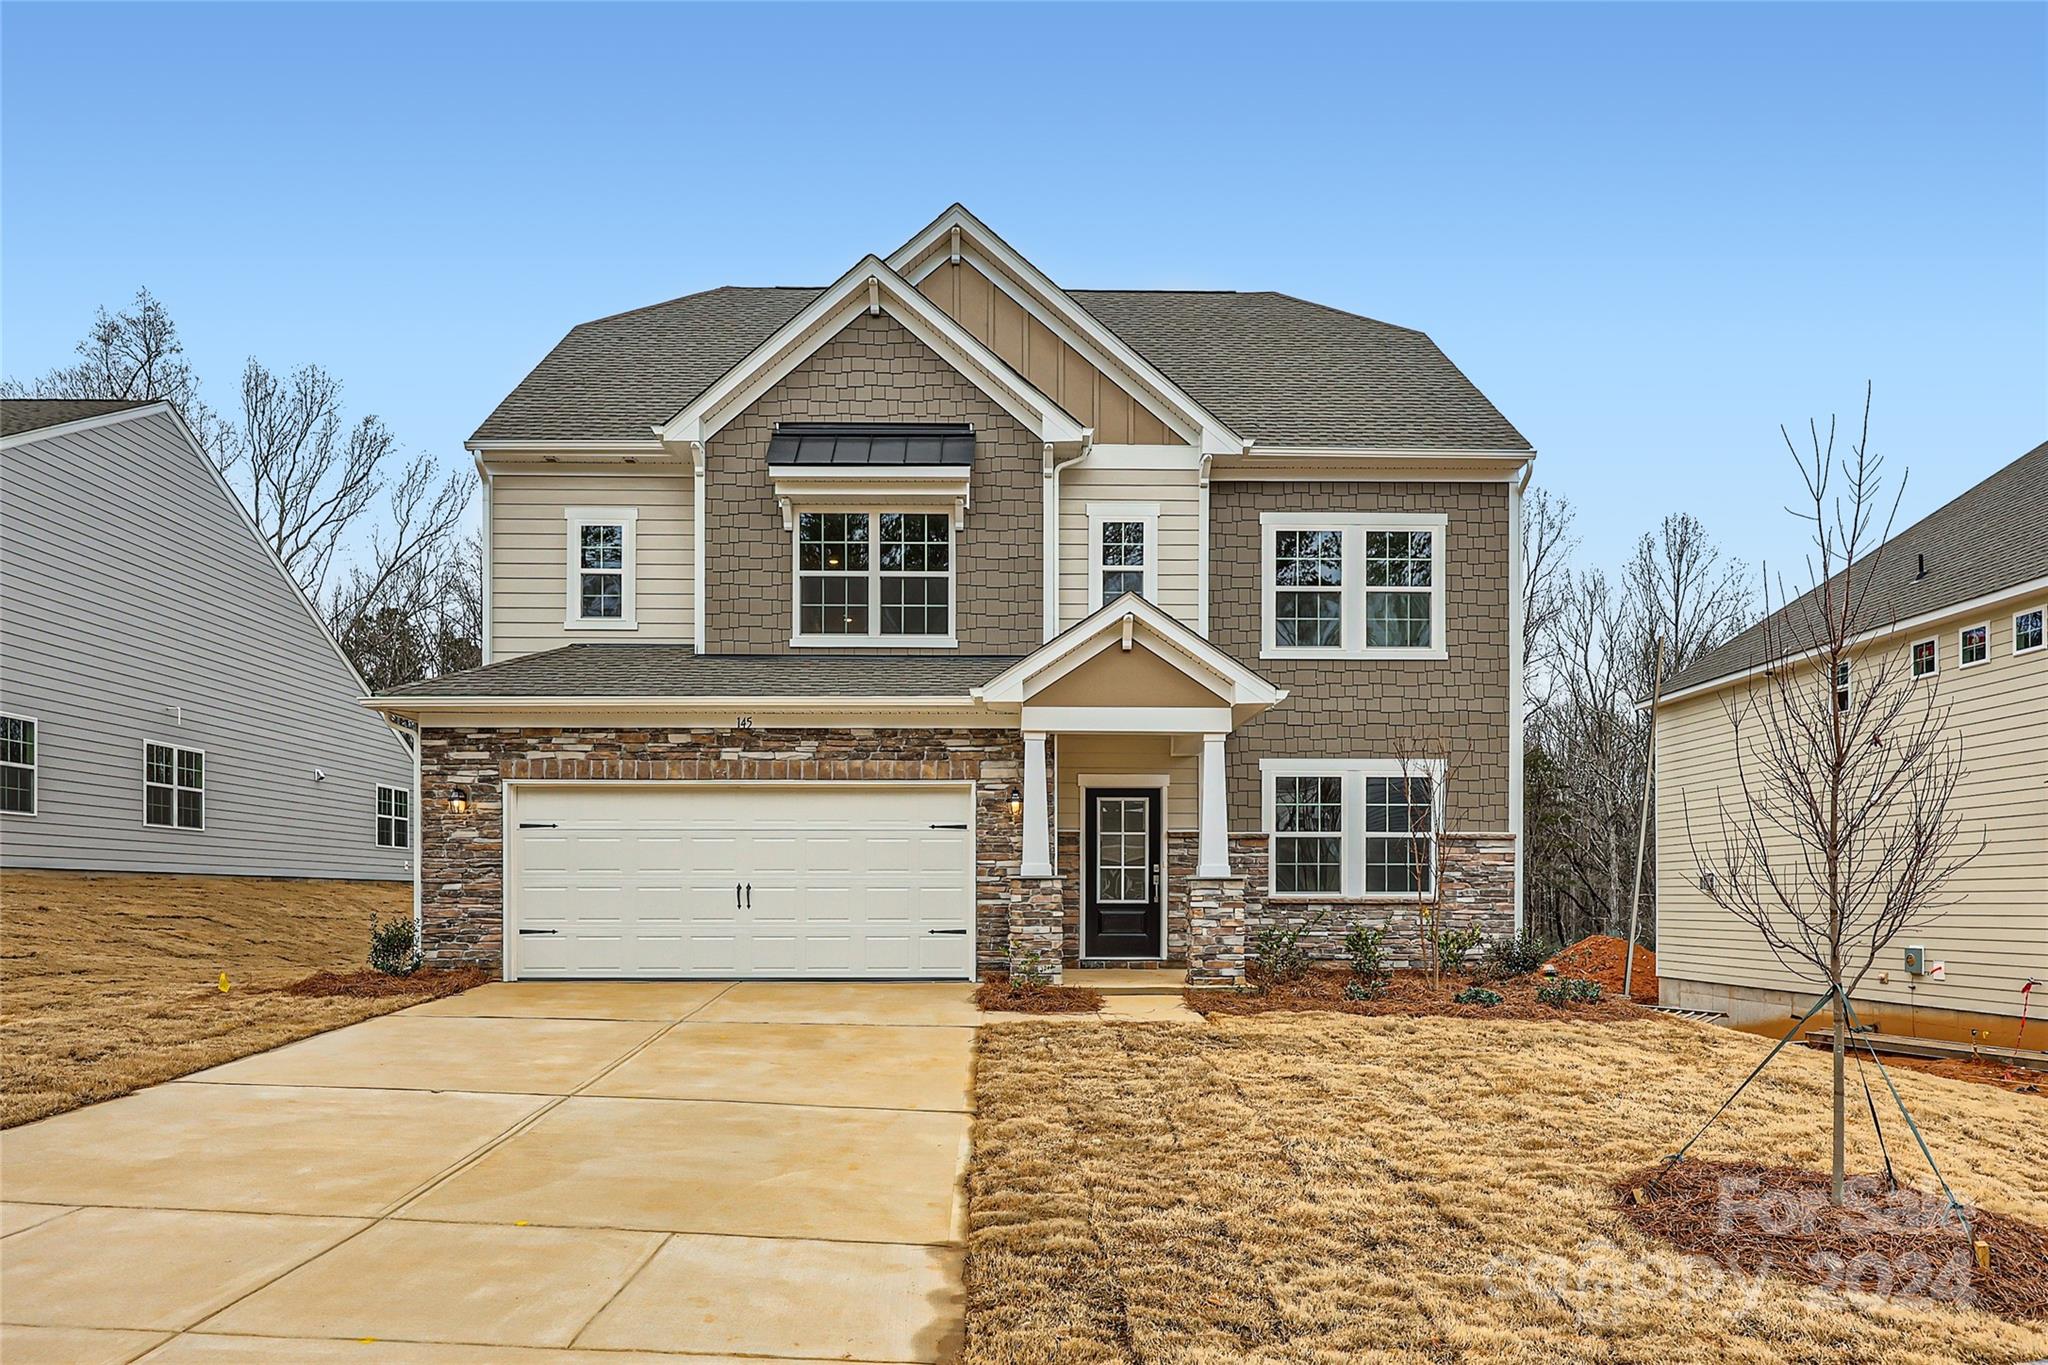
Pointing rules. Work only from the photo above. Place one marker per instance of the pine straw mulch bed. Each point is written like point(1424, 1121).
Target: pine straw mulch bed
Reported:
point(1409, 993)
point(423, 985)
point(1885, 1241)
point(997, 993)
point(1325, 1188)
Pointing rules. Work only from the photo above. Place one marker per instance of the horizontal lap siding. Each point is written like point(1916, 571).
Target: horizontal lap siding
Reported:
point(530, 549)
point(1078, 756)
point(1178, 495)
point(141, 608)
point(1993, 933)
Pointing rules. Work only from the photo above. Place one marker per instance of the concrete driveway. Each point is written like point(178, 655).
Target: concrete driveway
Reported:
point(536, 1173)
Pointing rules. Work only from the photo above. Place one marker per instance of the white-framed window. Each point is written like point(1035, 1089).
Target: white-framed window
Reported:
point(1351, 827)
point(2026, 630)
point(1123, 550)
point(1973, 645)
point(602, 547)
point(173, 786)
point(1927, 657)
point(394, 817)
point(1844, 697)
point(874, 576)
point(1353, 585)
point(17, 765)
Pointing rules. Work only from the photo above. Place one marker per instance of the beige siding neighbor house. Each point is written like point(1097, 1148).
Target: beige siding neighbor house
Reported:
point(1958, 604)
point(942, 619)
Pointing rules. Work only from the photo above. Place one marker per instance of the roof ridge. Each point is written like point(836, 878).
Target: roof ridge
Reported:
point(1343, 312)
point(705, 293)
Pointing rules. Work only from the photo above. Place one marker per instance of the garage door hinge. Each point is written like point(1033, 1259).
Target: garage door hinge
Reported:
point(538, 824)
point(949, 826)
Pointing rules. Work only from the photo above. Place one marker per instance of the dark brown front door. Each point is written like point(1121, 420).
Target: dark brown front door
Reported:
point(1121, 856)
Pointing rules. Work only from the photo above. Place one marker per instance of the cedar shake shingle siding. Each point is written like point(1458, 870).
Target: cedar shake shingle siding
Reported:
point(1454, 708)
point(873, 371)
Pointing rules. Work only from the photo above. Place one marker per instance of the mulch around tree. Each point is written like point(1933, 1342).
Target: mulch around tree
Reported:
point(1599, 957)
point(1897, 1243)
point(1409, 993)
point(999, 994)
point(365, 984)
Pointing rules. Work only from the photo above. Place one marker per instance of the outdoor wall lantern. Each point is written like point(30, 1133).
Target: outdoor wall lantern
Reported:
point(1016, 804)
point(458, 801)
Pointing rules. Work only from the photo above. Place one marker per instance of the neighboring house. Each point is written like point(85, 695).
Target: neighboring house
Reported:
point(1958, 601)
point(943, 620)
point(169, 699)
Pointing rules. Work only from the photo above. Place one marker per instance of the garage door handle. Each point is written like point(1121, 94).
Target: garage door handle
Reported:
point(540, 931)
point(750, 895)
point(538, 824)
point(945, 931)
point(949, 827)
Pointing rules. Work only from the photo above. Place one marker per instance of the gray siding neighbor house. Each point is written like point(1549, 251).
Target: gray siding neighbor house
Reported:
point(169, 701)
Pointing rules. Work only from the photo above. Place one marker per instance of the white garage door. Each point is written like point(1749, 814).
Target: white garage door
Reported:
point(742, 881)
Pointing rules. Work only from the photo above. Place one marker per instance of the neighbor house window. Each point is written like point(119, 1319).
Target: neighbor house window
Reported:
point(394, 817)
point(1976, 645)
point(1124, 547)
point(1926, 658)
point(601, 571)
point(1843, 698)
point(2026, 631)
point(1354, 585)
point(17, 765)
point(1352, 826)
point(874, 575)
point(173, 787)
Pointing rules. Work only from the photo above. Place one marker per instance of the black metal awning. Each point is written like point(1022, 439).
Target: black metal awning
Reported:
point(917, 444)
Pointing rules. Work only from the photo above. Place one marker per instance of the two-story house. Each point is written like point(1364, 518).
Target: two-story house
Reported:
point(944, 619)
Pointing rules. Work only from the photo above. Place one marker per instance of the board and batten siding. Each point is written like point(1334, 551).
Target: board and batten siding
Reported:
point(1993, 933)
point(1178, 495)
point(530, 554)
point(140, 607)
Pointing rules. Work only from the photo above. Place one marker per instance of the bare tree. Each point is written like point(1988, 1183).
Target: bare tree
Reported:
point(1547, 545)
point(1841, 836)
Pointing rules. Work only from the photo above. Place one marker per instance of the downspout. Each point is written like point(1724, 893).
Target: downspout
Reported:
point(1516, 720)
point(1202, 548)
point(483, 473)
point(697, 612)
point(1051, 518)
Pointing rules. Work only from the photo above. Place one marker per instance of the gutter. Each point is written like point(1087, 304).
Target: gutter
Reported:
point(1050, 515)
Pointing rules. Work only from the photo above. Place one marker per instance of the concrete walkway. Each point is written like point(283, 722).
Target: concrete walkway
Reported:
point(536, 1174)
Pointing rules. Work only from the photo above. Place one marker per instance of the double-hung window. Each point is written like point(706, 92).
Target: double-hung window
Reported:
point(874, 577)
point(173, 787)
point(1352, 827)
point(2026, 631)
point(1844, 696)
point(1123, 539)
point(602, 547)
point(1353, 585)
point(1973, 645)
point(17, 765)
point(1926, 658)
point(394, 817)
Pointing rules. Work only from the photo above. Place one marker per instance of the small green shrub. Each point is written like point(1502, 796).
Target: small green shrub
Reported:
point(1507, 958)
point(1028, 973)
point(1567, 991)
point(1277, 957)
point(394, 950)
point(1369, 971)
point(1477, 995)
point(1455, 945)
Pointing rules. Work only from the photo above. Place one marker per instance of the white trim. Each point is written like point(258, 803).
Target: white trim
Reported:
point(78, 424)
point(1131, 720)
point(1353, 772)
point(2041, 612)
point(629, 447)
point(1146, 514)
point(174, 786)
point(627, 520)
point(1028, 675)
point(410, 817)
point(697, 538)
point(1114, 455)
point(1963, 659)
point(34, 767)
point(874, 575)
point(1353, 591)
point(1035, 856)
point(490, 532)
point(1202, 548)
point(1086, 848)
point(405, 705)
point(1213, 817)
point(1933, 641)
point(1516, 664)
point(1266, 452)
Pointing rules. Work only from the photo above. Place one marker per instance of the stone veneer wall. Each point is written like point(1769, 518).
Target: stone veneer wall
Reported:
point(462, 856)
point(1478, 872)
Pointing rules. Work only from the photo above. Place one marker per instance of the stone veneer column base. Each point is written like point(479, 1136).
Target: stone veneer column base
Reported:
point(1037, 926)
point(1216, 932)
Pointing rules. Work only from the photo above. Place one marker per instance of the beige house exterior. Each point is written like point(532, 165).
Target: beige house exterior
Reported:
point(1964, 621)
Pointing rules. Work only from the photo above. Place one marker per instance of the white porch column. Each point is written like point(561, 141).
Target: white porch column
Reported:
point(1214, 859)
point(1037, 819)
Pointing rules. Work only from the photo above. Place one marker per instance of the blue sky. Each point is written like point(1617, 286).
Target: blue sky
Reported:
point(1649, 232)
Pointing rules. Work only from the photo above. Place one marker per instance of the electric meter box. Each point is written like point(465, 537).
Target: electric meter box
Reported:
point(1916, 960)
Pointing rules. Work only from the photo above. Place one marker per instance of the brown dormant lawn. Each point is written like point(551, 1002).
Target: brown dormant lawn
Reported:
point(109, 983)
point(1324, 1188)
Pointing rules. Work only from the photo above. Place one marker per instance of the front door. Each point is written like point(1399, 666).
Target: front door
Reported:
point(1123, 867)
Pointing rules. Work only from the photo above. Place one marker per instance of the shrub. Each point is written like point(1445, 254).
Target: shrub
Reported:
point(1453, 946)
point(1369, 971)
point(1477, 995)
point(1568, 991)
point(1028, 973)
point(394, 950)
point(1506, 958)
point(1277, 957)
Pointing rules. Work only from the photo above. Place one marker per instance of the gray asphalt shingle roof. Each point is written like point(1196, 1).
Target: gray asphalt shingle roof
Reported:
point(1988, 539)
point(18, 415)
point(1276, 369)
point(615, 670)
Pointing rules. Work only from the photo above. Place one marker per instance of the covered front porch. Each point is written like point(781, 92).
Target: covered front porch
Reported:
point(1124, 837)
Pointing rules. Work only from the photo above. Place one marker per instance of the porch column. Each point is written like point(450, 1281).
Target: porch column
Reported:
point(1037, 819)
point(1214, 856)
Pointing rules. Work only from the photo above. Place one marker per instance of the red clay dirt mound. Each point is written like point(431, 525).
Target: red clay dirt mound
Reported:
point(1599, 958)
